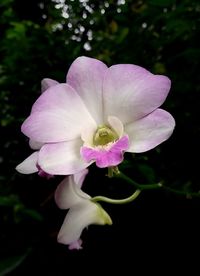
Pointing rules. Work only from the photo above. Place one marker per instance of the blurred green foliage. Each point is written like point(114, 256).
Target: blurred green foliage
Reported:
point(41, 38)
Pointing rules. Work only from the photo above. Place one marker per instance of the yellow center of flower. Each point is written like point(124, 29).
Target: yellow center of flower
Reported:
point(104, 135)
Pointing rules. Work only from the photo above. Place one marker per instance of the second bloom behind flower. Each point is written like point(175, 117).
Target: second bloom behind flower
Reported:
point(82, 211)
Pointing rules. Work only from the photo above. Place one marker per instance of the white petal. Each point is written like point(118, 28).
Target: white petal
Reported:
point(79, 217)
point(68, 192)
point(29, 165)
point(117, 125)
point(88, 134)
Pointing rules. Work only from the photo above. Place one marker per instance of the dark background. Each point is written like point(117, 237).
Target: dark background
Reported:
point(41, 39)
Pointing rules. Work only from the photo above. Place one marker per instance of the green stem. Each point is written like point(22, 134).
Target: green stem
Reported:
point(178, 192)
point(138, 186)
point(155, 186)
point(112, 171)
point(117, 201)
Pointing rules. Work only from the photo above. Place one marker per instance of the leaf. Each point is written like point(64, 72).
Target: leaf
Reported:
point(10, 200)
point(122, 35)
point(5, 2)
point(17, 31)
point(21, 212)
point(32, 214)
point(9, 264)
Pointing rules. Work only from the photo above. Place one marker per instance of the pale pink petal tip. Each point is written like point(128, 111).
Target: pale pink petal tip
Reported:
point(107, 157)
point(46, 83)
point(29, 165)
point(76, 245)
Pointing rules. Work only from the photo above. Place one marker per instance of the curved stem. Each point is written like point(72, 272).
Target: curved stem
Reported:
point(117, 201)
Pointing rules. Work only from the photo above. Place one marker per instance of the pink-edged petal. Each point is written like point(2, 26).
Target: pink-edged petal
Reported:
point(58, 115)
point(86, 77)
point(46, 83)
point(80, 216)
point(29, 165)
point(62, 158)
point(150, 131)
point(68, 193)
point(109, 157)
point(35, 145)
point(55, 97)
point(130, 92)
point(51, 126)
point(116, 124)
point(76, 245)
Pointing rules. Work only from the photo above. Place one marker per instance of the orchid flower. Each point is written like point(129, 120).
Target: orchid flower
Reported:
point(82, 211)
point(96, 116)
